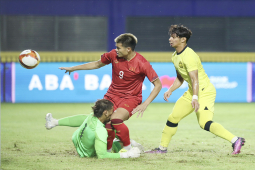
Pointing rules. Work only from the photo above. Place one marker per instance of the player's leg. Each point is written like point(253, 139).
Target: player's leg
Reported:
point(122, 113)
point(205, 116)
point(206, 123)
point(109, 127)
point(111, 136)
point(50, 121)
point(181, 109)
point(122, 131)
point(73, 121)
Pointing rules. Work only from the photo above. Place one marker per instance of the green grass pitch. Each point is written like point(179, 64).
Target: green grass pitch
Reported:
point(26, 144)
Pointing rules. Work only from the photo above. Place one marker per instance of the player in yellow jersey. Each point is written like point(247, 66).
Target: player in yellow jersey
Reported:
point(200, 96)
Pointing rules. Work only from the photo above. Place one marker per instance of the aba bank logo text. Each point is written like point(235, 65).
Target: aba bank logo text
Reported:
point(92, 82)
point(52, 82)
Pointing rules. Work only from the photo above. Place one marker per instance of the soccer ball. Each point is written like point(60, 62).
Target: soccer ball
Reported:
point(29, 59)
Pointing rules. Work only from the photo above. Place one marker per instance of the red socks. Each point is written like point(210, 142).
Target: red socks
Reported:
point(121, 131)
point(111, 135)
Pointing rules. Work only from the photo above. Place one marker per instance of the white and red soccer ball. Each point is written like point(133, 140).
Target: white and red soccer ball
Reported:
point(29, 59)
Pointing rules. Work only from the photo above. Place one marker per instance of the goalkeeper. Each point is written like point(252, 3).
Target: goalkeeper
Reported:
point(90, 139)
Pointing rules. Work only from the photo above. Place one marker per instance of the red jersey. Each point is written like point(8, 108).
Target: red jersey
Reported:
point(128, 76)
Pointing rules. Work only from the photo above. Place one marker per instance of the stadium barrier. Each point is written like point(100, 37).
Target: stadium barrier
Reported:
point(234, 82)
point(150, 56)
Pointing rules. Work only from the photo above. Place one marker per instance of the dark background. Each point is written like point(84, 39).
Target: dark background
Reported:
point(86, 25)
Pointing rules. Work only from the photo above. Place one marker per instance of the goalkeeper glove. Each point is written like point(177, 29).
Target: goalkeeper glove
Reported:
point(132, 153)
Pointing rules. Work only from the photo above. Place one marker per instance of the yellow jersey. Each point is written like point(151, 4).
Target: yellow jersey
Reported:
point(186, 61)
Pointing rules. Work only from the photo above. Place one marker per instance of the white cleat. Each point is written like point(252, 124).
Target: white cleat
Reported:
point(50, 121)
point(138, 145)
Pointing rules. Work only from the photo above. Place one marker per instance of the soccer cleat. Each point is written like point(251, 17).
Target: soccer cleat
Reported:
point(50, 121)
point(138, 145)
point(238, 145)
point(156, 150)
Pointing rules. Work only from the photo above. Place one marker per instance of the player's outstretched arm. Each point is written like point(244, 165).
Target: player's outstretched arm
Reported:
point(101, 151)
point(86, 66)
point(177, 83)
point(195, 87)
point(142, 107)
point(101, 146)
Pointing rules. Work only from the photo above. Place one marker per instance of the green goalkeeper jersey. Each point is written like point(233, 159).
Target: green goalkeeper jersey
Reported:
point(90, 139)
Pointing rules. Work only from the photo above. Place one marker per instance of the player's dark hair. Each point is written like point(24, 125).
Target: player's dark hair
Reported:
point(100, 106)
point(127, 40)
point(180, 31)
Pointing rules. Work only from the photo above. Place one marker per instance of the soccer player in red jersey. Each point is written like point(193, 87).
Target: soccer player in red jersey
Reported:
point(129, 69)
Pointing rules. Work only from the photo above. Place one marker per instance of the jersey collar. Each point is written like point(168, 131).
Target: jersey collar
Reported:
point(182, 50)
